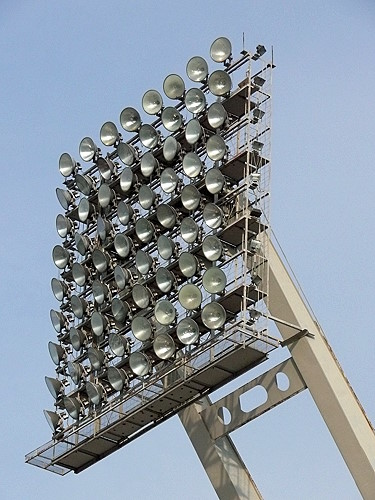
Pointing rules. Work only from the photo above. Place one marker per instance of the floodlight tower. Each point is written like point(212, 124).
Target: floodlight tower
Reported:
point(168, 280)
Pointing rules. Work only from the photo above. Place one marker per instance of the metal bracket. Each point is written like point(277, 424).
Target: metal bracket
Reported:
point(213, 414)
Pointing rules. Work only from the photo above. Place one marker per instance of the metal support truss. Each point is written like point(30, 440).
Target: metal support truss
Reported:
point(312, 365)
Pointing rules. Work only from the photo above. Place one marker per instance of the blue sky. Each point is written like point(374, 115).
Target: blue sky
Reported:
point(66, 68)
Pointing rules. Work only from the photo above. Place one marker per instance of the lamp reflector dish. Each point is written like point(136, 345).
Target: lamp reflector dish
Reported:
point(60, 256)
point(189, 230)
point(169, 180)
point(58, 320)
point(117, 378)
point(187, 331)
point(56, 352)
point(215, 181)
point(109, 134)
point(195, 101)
point(64, 197)
point(87, 149)
point(127, 179)
point(80, 273)
point(130, 119)
point(165, 313)
point(67, 165)
point(190, 197)
point(104, 227)
point(212, 248)
point(96, 357)
point(144, 229)
point(171, 119)
point(148, 164)
point(59, 289)
point(126, 153)
point(166, 216)
point(54, 386)
point(146, 197)
point(190, 297)
point(164, 346)
point(141, 328)
point(124, 213)
point(219, 83)
point(85, 209)
point(214, 280)
point(105, 195)
point(213, 315)
point(221, 49)
point(197, 69)
point(164, 279)
point(192, 164)
point(54, 420)
point(79, 306)
point(94, 393)
point(118, 344)
point(101, 260)
point(83, 243)
point(165, 247)
point(193, 131)
point(77, 338)
point(100, 291)
point(188, 264)
point(170, 148)
point(141, 296)
point(120, 310)
point(64, 226)
point(139, 364)
point(174, 86)
point(216, 147)
point(216, 115)
point(148, 136)
point(152, 102)
point(75, 371)
point(213, 216)
point(105, 167)
point(123, 245)
point(72, 406)
point(143, 262)
point(84, 183)
point(121, 277)
point(98, 323)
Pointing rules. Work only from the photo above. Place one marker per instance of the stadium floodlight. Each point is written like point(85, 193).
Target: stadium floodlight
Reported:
point(197, 69)
point(152, 102)
point(67, 165)
point(187, 331)
point(117, 378)
point(216, 115)
point(130, 119)
point(174, 86)
point(171, 119)
point(88, 150)
point(126, 153)
point(221, 49)
point(195, 101)
point(109, 135)
point(219, 83)
point(148, 164)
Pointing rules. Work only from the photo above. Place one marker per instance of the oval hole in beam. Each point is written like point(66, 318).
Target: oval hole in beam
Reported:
point(252, 399)
point(224, 415)
point(282, 381)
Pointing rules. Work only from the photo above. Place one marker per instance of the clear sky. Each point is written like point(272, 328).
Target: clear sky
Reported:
point(66, 68)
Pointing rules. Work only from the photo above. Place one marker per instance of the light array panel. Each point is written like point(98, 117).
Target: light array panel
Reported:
point(161, 261)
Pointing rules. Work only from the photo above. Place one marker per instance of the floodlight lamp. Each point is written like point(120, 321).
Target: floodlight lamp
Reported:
point(75, 371)
point(54, 420)
point(259, 81)
point(193, 131)
point(60, 256)
point(77, 338)
point(166, 247)
point(164, 279)
point(83, 243)
point(88, 149)
point(79, 306)
point(257, 146)
point(216, 147)
point(190, 297)
point(188, 264)
point(80, 273)
point(105, 195)
point(109, 134)
point(187, 331)
point(164, 346)
point(174, 86)
point(95, 393)
point(117, 378)
point(60, 289)
point(146, 197)
point(170, 148)
point(165, 313)
point(106, 167)
point(192, 165)
point(143, 262)
point(124, 213)
point(99, 323)
point(121, 276)
point(261, 50)
point(254, 180)
point(139, 364)
point(212, 248)
point(100, 291)
point(130, 119)
point(214, 181)
point(67, 165)
point(255, 246)
point(171, 119)
point(197, 69)
point(101, 260)
point(195, 101)
point(141, 328)
point(152, 102)
point(214, 280)
point(149, 136)
point(85, 210)
point(126, 153)
point(65, 198)
point(213, 316)
point(56, 352)
point(219, 83)
point(127, 180)
point(54, 386)
point(144, 229)
point(58, 320)
point(213, 216)
point(84, 183)
point(216, 115)
point(221, 49)
point(189, 230)
point(123, 245)
point(103, 227)
point(148, 164)
point(141, 296)
point(190, 197)
point(257, 115)
point(166, 216)
point(73, 406)
point(255, 314)
point(118, 344)
point(96, 357)
point(169, 180)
